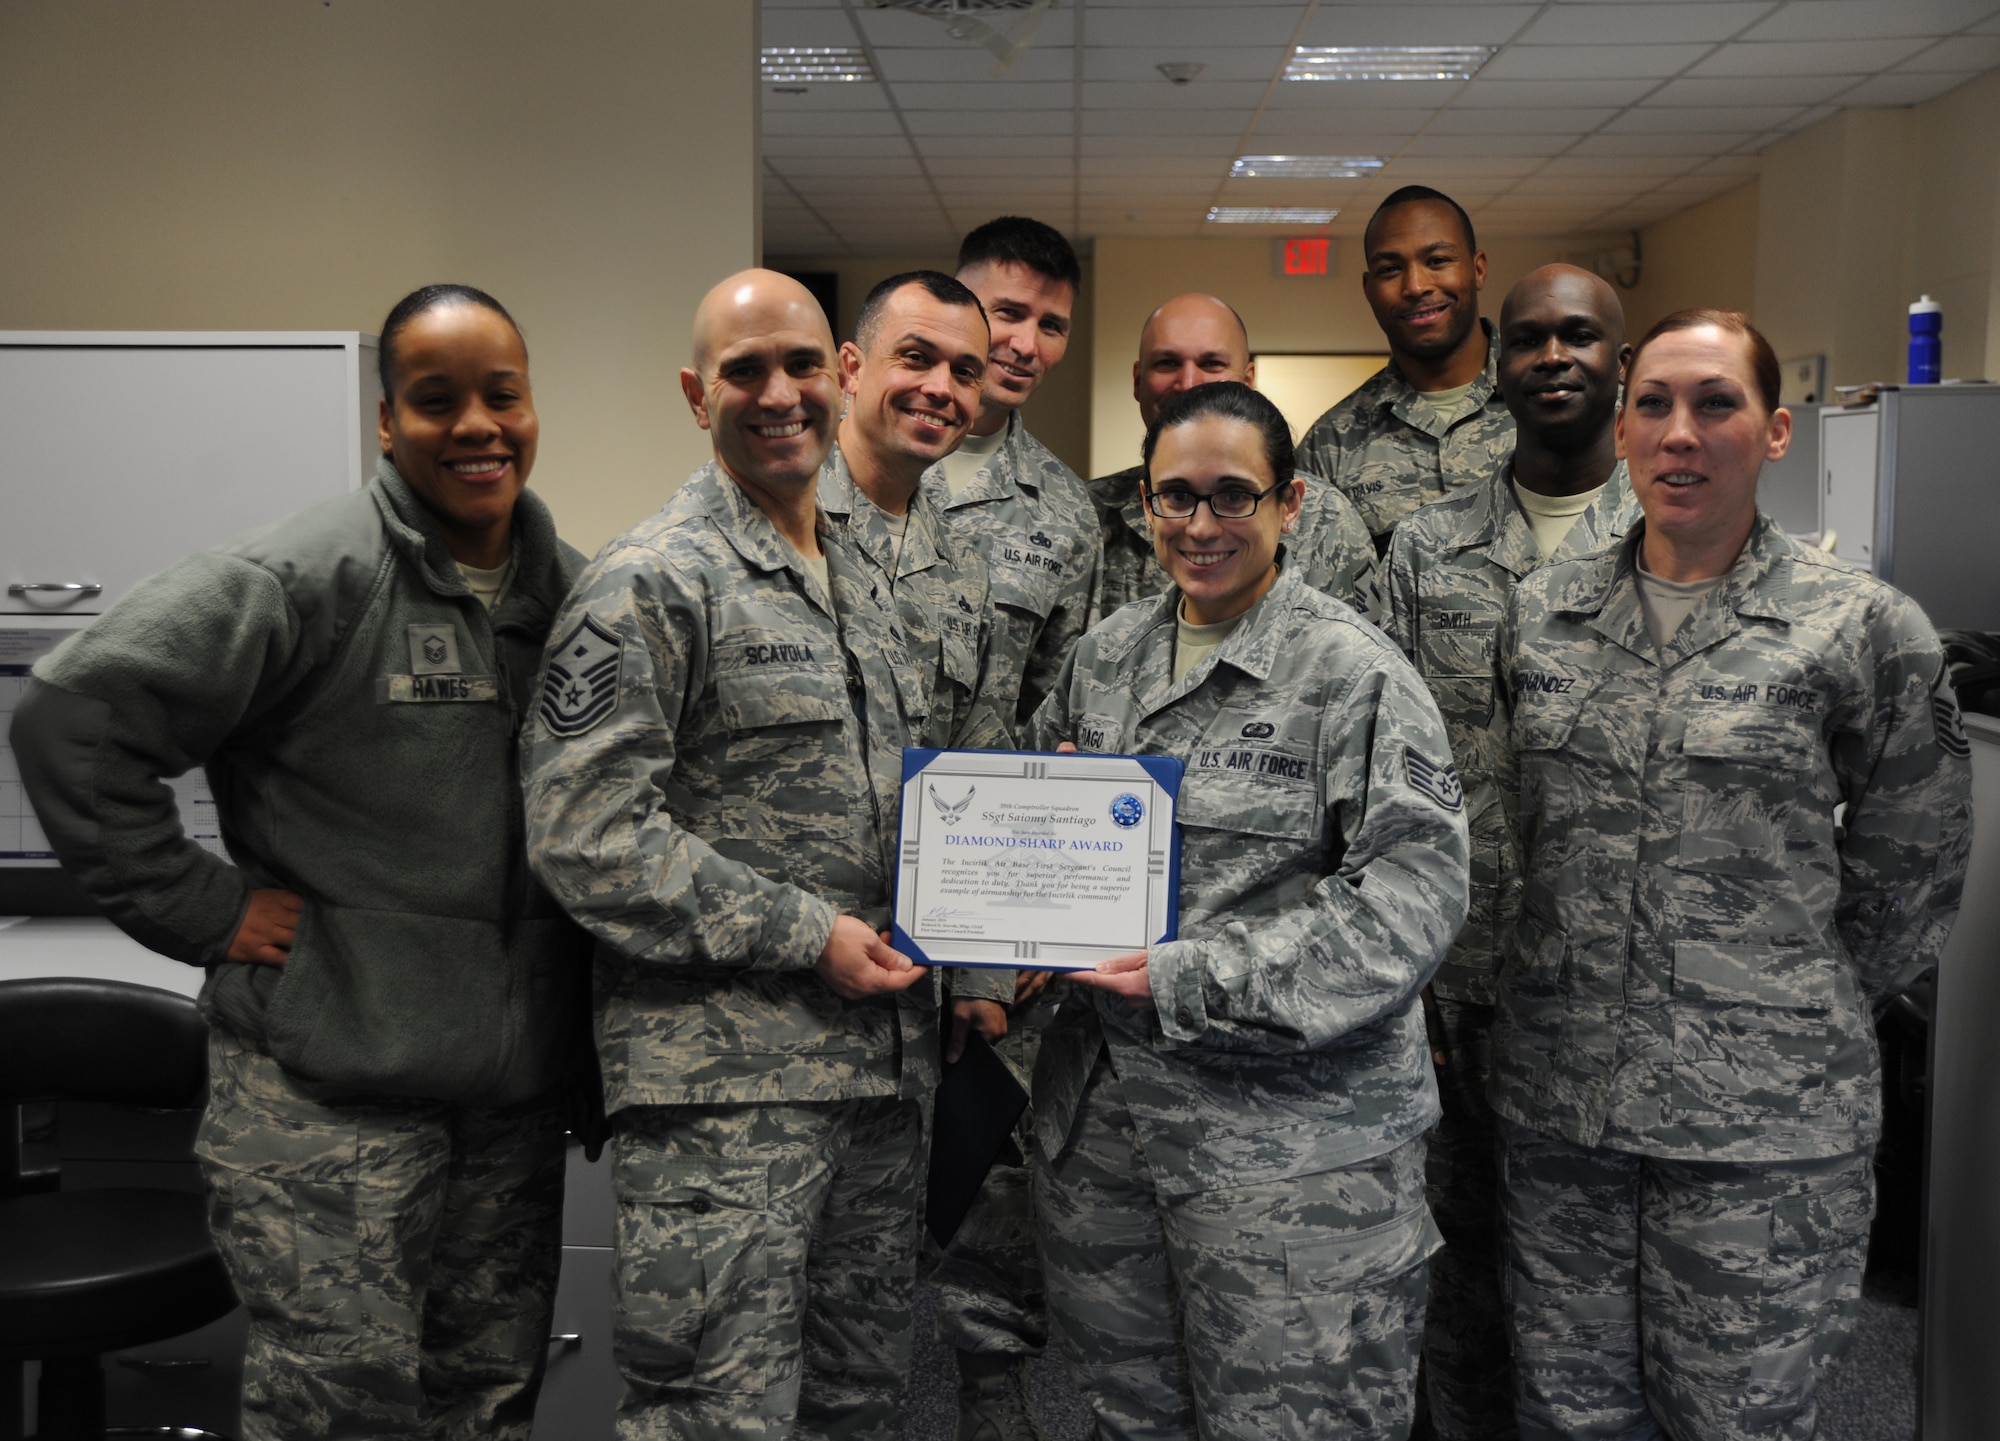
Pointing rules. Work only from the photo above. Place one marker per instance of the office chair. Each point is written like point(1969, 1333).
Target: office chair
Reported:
point(90, 1271)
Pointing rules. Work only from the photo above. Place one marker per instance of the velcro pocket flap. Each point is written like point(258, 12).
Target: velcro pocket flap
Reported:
point(1794, 978)
point(1354, 1259)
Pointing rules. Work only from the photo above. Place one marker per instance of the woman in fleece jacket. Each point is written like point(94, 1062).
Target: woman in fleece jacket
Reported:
point(394, 1002)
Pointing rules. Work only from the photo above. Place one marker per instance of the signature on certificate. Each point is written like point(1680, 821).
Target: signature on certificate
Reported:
point(944, 913)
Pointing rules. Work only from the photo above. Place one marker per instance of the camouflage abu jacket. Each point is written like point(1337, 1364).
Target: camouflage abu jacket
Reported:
point(1388, 452)
point(1700, 947)
point(1330, 549)
point(1323, 864)
point(712, 775)
point(942, 601)
point(1032, 520)
point(1452, 565)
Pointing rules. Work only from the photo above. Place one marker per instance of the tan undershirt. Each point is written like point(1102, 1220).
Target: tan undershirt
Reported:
point(817, 565)
point(1552, 517)
point(1444, 403)
point(487, 586)
point(963, 465)
point(899, 526)
point(1666, 604)
point(1194, 644)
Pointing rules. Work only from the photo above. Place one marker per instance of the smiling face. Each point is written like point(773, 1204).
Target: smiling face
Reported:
point(1191, 340)
point(1223, 567)
point(764, 384)
point(1562, 344)
point(1694, 434)
point(1030, 319)
point(460, 425)
point(1423, 280)
point(915, 389)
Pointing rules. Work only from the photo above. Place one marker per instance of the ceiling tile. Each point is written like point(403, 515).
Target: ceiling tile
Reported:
point(1153, 122)
point(1643, 24)
point(1484, 94)
point(983, 95)
point(1415, 24)
point(904, 29)
point(1219, 63)
point(1466, 146)
point(1671, 120)
point(995, 167)
point(1519, 122)
point(996, 122)
point(1208, 150)
point(1230, 24)
point(1598, 62)
point(1157, 94)
point(1336, 95)
point(1446, 168)
point(821, 98)
point(1163, 165)
point(972, 62)
point(845, 165)
point(1003, 145)
point(1888, 90)
point(1870, 19)
point(1807, 57)
point(819, 122)
point(826, 25)
point(1644, 165)
point(1694, 147)
point(1965, 54)
point(1743, 167)
point(1763, 90)
point(780, 146)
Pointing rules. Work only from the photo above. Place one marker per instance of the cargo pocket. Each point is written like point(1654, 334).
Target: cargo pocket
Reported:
point(692, 1286)
point(1355, 1297)
point(1753, 1028)
point(1747, 772)
point(1819, 1244)
point(786, 741)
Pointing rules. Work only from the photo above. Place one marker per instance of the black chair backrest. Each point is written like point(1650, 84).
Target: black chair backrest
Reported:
point(64, 1038)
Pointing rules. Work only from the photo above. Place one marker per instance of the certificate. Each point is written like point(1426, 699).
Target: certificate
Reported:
point(1035, 861)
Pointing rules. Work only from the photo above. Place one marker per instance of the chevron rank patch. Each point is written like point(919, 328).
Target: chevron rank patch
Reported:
point(1950, 724)
point(580, 687)
point(1439, 782)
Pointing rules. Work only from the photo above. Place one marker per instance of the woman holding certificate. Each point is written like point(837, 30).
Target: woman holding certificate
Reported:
point(1229, 1127)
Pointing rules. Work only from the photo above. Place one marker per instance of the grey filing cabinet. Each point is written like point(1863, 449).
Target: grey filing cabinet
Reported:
point(1910, 485)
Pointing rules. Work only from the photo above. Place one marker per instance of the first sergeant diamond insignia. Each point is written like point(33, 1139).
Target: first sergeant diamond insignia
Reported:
point(1439, 782)
point(580, 687)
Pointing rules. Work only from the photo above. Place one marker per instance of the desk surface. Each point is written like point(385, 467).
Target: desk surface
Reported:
point(87, 946)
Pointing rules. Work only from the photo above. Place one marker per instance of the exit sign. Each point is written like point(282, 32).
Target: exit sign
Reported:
point(1305, 255)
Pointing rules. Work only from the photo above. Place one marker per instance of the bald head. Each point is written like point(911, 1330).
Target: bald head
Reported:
point(1575, 289)
point(1562, 353)
point(753, 301)
point(1191, 340)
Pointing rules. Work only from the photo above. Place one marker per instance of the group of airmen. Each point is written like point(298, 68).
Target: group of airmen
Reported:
point(1552, 826)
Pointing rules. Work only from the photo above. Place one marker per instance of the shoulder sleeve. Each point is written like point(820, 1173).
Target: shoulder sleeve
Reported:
point(1051, 724)
point(1077, 600)
point(597, 755)
point(1904, 767)
point(1370, 934)
point(154, 688)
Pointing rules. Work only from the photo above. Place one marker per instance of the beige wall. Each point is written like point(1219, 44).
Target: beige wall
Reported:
point(1704, 256)
point(245, 165)
point(1284, 313)
point(1059, 414)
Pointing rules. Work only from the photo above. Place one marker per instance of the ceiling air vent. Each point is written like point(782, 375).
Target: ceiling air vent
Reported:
point(961, 20)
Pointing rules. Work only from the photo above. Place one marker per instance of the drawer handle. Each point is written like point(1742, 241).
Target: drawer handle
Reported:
point(68, 587)
point(162, 1366)
point(568, 1340)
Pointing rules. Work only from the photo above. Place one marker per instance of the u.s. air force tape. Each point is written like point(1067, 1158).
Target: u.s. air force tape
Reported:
point(1439, 782)
point(580, 687)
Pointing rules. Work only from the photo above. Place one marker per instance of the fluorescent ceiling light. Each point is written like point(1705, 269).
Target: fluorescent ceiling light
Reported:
point(1305, 167)
point(1387, 62)
point(792, 64)
point(1268, 215)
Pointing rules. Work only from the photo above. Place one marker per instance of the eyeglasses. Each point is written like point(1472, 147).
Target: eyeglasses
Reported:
point(1230, 504)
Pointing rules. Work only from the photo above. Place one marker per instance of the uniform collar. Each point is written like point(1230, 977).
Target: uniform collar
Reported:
point(1252, 647)
point(1407, 402)
point(1507, 536)
point(1605, 594)
point(867, 524)
point(541, 575)
point(749, 531)
point(1004, 475)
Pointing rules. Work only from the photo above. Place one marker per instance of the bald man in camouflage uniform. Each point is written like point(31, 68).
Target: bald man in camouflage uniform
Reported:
point(1452, 566)
point(1229, 1169)
point(1685, 1032)
point(712, 788)
point(1198, 340)
point(1432, 419)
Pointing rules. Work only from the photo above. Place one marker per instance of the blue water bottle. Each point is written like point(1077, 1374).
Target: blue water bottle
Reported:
point(1926, 346)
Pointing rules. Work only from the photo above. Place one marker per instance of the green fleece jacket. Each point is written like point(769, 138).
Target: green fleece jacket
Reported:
point(356, 710)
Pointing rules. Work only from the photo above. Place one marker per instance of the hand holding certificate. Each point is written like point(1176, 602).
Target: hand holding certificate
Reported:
point(1035, 861)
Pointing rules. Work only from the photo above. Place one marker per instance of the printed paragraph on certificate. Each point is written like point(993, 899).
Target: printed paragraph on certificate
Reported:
point(1035, 861)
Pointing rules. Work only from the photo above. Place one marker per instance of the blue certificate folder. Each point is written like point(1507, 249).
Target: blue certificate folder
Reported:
point(1032, 860)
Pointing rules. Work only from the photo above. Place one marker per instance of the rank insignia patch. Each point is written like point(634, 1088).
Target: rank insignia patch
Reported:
point(434, 649)
point(581, 685)
point(1439, 782)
